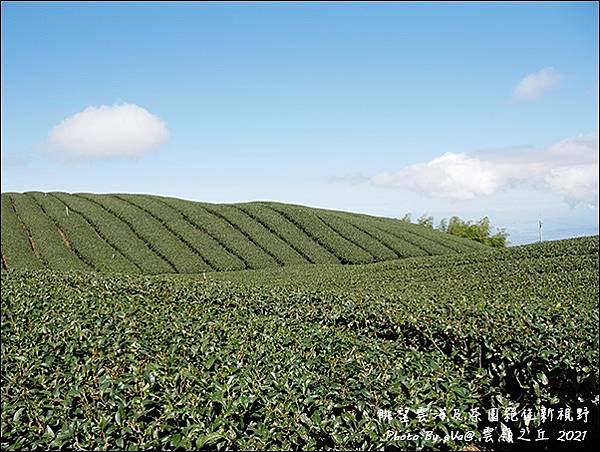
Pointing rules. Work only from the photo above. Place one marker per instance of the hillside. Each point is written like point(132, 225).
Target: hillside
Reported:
point(304, 356)
point(154, 235)
point(508, 266)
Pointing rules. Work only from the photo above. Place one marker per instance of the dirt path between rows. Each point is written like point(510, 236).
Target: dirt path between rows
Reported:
point(32, 244)
point(64, 237)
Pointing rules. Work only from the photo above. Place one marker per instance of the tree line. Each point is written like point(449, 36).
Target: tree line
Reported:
point(480, 231)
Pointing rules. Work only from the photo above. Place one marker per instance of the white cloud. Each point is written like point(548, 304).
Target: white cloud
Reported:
point(579, 149)
point(456, 176)
point(576, 183)
point(109, 131)
point(568, 168)
point(533, 86)
point(573, 169)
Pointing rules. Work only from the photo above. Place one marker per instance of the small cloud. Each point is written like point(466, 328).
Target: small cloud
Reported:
point(533, 86)
point(109, 131)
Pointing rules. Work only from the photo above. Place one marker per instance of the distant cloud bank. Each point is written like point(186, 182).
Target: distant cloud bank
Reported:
point(109, 131)
point(533, 86)
point(569, 168)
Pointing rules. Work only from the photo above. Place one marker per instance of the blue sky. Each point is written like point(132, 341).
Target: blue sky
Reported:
point(383, 108)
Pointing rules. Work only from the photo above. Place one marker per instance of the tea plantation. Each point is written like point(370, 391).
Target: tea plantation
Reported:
point(140, 322)
point(156, 235)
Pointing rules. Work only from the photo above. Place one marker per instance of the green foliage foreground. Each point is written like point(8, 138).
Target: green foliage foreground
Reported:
point(299, 357)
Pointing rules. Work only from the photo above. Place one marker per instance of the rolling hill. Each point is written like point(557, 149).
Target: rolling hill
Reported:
point(145, 234)
point(298, 350)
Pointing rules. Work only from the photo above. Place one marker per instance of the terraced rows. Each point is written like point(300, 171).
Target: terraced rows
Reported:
point(195, 237)
point(345, 251)
point(232, 239)
point(280, 227)
point(18, 251)
point(277, 248)
point(153, 235)
point(81, 236)
point(48, 240)
point(117, 232)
